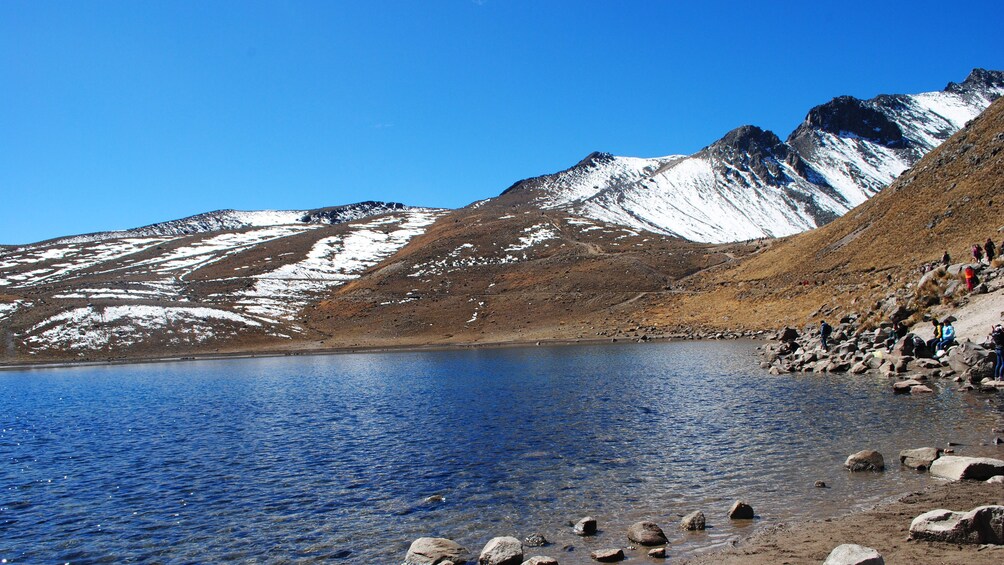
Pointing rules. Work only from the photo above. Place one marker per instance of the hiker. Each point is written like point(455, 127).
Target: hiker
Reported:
point(946, 259)
point(947, 335)
point(933, 344)
point(997, 338)
point(977, 253)
point(970, 275)
point(990, 249)
point(824, 334)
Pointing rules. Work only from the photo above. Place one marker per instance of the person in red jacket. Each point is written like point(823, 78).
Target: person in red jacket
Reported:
point(970, 275)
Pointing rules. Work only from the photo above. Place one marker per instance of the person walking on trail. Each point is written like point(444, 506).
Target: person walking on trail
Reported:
point(970, 275)
point(977, 253)
point(997, 337)
point(824, 334)
point(990, 250)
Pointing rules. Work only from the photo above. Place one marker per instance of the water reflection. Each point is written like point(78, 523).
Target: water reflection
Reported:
point(319, 458)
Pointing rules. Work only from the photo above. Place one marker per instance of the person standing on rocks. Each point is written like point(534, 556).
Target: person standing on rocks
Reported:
point(946, 259)
point(824, 334)
point(977, 253)
point(970, 275)
point(990, 250)
point(997, 337)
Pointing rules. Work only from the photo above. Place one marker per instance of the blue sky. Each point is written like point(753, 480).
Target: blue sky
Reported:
point(119, 114)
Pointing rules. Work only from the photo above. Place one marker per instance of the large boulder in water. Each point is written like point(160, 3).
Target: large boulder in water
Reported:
point(504, 550)
point(646, 533)
point(967, 356)
point(867, 460)
point(851, 554)
point(741, 511)
point(958, 468)
point(585, 526)
point(693, 521)
point(982, 525)
point(432, 551)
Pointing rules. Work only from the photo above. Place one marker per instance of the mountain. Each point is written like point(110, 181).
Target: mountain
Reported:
point(221, 220)
point(750, 184)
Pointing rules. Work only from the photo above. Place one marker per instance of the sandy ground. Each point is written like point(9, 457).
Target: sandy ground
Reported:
point(885, 529)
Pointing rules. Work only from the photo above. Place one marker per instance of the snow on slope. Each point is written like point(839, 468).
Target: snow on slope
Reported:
point(750, 184)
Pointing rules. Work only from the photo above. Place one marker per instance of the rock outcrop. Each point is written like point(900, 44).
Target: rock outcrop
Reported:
point(983, 525)
point(957, 468)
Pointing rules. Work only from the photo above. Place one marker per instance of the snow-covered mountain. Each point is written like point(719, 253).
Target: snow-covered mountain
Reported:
point(750, 184)
point(221, 220)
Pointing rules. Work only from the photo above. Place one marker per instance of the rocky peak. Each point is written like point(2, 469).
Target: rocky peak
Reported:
point(990, 83)
point(749, 148)
point(847, 116)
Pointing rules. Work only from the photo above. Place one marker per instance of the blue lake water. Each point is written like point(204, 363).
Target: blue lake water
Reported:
point(330, 458)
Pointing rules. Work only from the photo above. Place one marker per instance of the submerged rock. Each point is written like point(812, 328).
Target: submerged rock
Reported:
point(585, 526)
point(432, 551)
point(867, 460)
point(657, 553)
point(693, 521)
point(608, 555)
point(535, 539)
point(646, 533)
point(920, 458)
point(851, 554)
point(741, 511)
point(540, 560)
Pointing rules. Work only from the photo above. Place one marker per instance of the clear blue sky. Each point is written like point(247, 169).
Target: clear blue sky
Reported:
point(115, 114)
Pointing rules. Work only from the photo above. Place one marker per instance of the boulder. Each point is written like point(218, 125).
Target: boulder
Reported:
point(920, 458)
point(905, 387)
point(996, 480)
point(859, 367)
point(433, 551)
point(608, 555)
point(867, 460)
point(851, 554)
point(540, 560)
point(741, 511)
point(504, 550)
point(920, 389)
point(646, 533)
point(983, 525)
point(972, 359)
point(585, 526)
point(693, 521)
point(957, 468)
point(788, 334)
point(657, 553)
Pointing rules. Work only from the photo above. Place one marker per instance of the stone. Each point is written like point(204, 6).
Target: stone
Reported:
point(920, 458)
point(905, 387)
point(788, 334)
point(657, 553)
point(741, 511)
point(982, 525)
point(693, 521)
point(851, 554)
point(971, 359)
point(920, 389)
point(646, 533)
point(536, 539)
point(608, 555)
point(585, 526)
point(435, 551)
point(957, 468)
point(505, 550)
point(996, 480)
point(540, 560)
point(820, 484)
point(867, 460)
point(859, 367)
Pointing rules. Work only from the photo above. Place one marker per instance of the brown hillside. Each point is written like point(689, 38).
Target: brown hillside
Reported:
point(950, 200)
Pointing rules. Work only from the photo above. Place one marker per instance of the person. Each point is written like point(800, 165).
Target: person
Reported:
point(970, 275)
point(824, 334)
point(932, 345)
point(977, 253)
point(946, 259)
point(997, 337)
point(990, 249)
point(899, 331)
point(947, 335)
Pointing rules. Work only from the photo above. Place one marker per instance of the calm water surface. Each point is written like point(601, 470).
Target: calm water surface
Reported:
point(309, 459)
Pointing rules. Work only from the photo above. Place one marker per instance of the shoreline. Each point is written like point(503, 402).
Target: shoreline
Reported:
point(885, 527)
point(363, 349)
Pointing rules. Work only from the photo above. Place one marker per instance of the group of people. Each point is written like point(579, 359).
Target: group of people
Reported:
point(987, 251)
point(944, 335)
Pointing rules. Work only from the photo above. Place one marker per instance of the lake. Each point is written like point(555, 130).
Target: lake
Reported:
point(332, 458)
